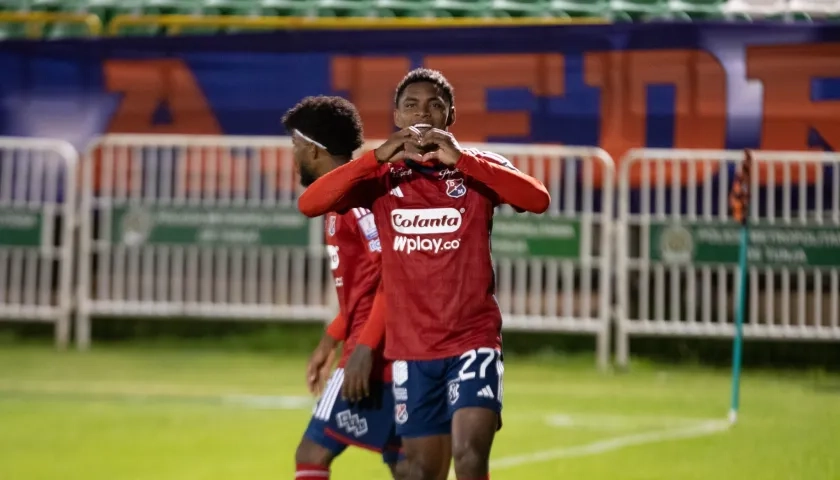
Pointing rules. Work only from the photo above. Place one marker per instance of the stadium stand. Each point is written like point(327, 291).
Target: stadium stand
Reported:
point(72, 18)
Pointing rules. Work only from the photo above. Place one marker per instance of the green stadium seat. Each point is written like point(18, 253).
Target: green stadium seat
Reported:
point(621, 10)
point(345, 8)
point(232, 7)
point(463, 8)
point(579, 8)
point(289, 8)
point(521, 8)
point(696, 9)
point(10, 31)
point(404, 8)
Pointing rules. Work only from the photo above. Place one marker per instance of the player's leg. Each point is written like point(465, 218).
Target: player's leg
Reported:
point(421, 417)
point(400, 468)
point(317, 448)
point(475, 400)
point(473, 431)
point(312, 461)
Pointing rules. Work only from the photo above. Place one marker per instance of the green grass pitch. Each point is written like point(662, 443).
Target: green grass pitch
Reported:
point(164, 414)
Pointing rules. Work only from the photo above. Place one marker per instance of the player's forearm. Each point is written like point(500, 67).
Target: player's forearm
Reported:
point(332, 192)
point(513, 187)
point(337, 329)
point(374, 330)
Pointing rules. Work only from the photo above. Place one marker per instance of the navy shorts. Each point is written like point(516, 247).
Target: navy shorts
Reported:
point(428, 392)
point(369, 424)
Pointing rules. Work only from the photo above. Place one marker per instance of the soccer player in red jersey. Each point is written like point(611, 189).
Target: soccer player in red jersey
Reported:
point(433, 202)
point(325, 132)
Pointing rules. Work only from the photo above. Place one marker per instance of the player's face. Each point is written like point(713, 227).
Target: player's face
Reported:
point(422, 102)
point(304, 153)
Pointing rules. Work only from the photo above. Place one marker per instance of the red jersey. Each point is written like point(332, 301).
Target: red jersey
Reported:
point(354, 255)
point(434, 225)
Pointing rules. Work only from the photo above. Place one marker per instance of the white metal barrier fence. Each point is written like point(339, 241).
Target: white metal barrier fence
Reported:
point(197, 226)
point(37, 207)
point(200, 226)
point(554, 271)
point(677, 246)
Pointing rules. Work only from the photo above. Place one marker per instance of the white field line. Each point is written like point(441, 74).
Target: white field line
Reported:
point(149, 393)
point(607, 445)
point(134, 388)
point(619, 422)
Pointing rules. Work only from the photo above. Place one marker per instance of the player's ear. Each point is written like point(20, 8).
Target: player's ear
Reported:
point(397, 117)
point(312, 151)
point(450, 119)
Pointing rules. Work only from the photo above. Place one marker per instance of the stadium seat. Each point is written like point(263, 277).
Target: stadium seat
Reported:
point(579, 8)
point(815, 8)
point(345, 8)
point(463, 8)
point(10, 31)
point(520, 8)
point(624, 10)
point(288, 8)
point(696, 9)
point(405, 9)
point(231, 7)
point(755, 8)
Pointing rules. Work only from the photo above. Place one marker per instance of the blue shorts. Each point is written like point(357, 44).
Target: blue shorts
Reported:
point(369, 424)
point(428, 392)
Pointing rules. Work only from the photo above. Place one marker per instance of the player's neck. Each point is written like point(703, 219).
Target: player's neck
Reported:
point(331, 164)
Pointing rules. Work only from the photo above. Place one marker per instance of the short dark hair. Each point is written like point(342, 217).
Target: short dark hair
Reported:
point(419, 75)
point(331, 121)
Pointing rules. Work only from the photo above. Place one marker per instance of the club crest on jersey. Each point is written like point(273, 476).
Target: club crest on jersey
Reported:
point(453, 392)
point(455, 187)
point(400, 413)
point(331, 225)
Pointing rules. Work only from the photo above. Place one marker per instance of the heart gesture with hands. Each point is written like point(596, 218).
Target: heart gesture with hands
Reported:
point(420, 143)
point(447, 152)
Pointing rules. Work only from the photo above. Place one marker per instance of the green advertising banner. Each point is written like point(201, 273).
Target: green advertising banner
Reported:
point(20, 228)
point(209, 226)
point(526, 236)
point(782, 245)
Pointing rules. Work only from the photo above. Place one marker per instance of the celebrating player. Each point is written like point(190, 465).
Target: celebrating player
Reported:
point(433, 202)
point(325, 132)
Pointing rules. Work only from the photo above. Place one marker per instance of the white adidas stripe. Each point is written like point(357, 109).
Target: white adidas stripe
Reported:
point(486, 392)
point(325, 406)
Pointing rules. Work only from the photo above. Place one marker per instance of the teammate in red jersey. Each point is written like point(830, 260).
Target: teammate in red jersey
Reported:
point(434, 212)
point(325, 132)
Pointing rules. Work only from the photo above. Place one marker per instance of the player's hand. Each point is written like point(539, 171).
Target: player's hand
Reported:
point(357, 374)
point(319, 366)
point(448, 151)
point(393, 150)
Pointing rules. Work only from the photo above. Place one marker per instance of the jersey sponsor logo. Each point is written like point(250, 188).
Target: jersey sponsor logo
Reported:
point(420, 244)
point(449, 172)
point(455, 187)
point(424, 221)
point(331, 225)
point(368, 226)
point(400, 172)
point(399, 372)
point(352, 423)
point(400, 394)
